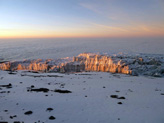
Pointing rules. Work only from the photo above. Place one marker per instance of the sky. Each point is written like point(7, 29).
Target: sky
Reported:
point(81, 18)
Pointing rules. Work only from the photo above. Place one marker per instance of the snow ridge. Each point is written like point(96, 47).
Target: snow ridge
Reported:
point(152, 65)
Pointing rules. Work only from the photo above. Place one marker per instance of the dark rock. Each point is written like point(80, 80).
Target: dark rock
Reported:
point(49, 109)
point(33, 71)
point(62, 91)
point(121, 98)
point(3, 92)
point(52, 118)
point(35, 76)
point(62, 85)
point(40, 90)
point(7, 86)
point(114, 96)
point(11, 117)
point(28, 113)
point(53, 76)
point(11, 72)
point(32, 86)
point(119, 103)
point(85, 74)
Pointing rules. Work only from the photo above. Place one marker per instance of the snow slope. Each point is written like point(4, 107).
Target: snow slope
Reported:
point(90, 99)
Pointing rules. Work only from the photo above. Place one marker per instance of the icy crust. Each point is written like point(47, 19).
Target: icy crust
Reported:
point(36, 64)
point(151, 65)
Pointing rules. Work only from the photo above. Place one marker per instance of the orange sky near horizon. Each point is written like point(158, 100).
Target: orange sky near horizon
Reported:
point(80, 19)
point(90, 33)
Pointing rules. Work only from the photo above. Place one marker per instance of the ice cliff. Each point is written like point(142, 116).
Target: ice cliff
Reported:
point(134, 65)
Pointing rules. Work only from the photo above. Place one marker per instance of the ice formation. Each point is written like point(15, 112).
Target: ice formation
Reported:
point(126, 64)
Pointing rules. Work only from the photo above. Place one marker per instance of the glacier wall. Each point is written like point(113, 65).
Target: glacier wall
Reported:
point(133, 65)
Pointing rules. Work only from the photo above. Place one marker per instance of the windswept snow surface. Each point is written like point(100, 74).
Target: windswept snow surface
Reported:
point(89, 99)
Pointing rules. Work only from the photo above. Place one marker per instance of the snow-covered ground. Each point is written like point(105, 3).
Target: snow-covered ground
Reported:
point(88, 97)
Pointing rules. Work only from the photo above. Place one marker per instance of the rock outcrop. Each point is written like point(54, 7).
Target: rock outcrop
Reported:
point(133, 65)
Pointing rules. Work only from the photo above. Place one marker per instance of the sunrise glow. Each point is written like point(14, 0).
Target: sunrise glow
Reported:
point(81, 18)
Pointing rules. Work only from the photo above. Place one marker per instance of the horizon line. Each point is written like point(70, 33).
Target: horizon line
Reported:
point(37, 37)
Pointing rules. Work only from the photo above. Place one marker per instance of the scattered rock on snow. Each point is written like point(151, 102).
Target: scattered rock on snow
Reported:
point(45, 90)
point(49, 109)
point(119, 103)
point(28, 113)
point(62, 91)
point(7, 86)
point(121, 98)
point(52, 118)
point(114, 96)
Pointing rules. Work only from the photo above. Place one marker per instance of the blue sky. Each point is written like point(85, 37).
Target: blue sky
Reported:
point(81, 18)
